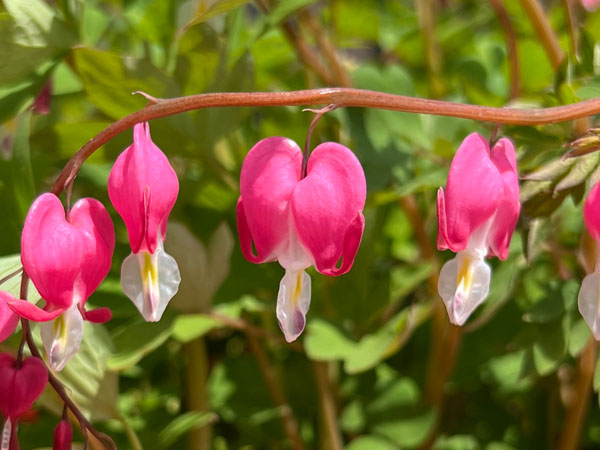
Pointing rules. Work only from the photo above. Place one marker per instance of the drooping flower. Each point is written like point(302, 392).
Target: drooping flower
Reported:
point(8, 319)
point(477, 214)
point(63, 435)
point(66, 257)
point(298, 221)
point(591, 5)
point(20, 385)
point(590, 287)
point(143, 188)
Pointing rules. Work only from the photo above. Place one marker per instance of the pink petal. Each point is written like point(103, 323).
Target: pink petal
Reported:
point(31, 312)
point(98, 315)
point(52, 251)
point(591, 5)
point(269, 174)
point(591, 212)
point(90, 216)
point(143, 188)
point(327, 207)
point(507, 213)
point(20, 387)
point(63, 435)
point(473, 191)
point(442, 239)
point(8, 319)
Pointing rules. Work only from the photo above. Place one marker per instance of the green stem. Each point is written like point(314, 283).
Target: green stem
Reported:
point(133, 438)
point(197, 375)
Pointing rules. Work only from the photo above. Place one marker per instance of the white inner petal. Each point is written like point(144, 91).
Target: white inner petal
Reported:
point(150, 280)
point(293, 301)
point(589, 302)
point(6, 430)
point(62, 337)
point(293, 256)
point(464, 284)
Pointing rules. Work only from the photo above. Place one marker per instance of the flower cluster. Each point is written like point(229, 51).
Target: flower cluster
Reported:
point(300, 211)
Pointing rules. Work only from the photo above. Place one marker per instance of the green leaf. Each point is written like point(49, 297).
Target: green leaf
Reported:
point(325, 342)
point(37, 25)
point(370, 443)
point(457, 442)
point(109, 82)
point(182, 424)
point(374, 348)
point(23, 185)
point(135, 340)
point(208, 10)
point(286, 8)
point(188, 327)
point(396, 413)
point(578, 336)
point(551, 345)
point(87, 378)
point(584, 166)
point(8, 265)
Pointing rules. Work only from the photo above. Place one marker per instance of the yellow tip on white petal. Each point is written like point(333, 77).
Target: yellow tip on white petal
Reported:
point(62, 337)
point(463, 284)
point(293, 301)
point(150, 280)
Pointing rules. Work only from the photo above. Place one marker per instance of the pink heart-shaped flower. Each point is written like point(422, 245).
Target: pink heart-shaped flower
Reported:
point(66, 258)
point(20, 386)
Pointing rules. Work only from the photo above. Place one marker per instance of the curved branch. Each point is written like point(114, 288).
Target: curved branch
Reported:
point(56, 384)
point(342, 97)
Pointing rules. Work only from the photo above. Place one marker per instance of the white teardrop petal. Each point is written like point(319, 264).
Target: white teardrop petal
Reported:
point(293, 301)
point(62, 337)
point(6, 432)
point(463, 284)
point(589, 302)
point(150, 281)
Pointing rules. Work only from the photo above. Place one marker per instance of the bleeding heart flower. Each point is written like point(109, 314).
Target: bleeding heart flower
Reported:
point(8, 319)
point(477, 215)
point(298, 221)
point(63, 435)
point(591, 5)
point(589, 293)
point(20, 385)
point(66, 258)
point(143, 188)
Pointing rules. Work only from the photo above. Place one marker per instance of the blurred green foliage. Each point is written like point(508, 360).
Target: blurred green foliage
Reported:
point(196, 369)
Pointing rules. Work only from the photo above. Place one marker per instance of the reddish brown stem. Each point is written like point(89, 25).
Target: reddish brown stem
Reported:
point(582, 386)
point(58, 387)
point(342, 97)
point(338, 72)
point(544, 31)
point(511, 47)
point(290, 425)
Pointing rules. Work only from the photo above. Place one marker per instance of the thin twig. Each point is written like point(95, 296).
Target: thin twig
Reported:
point(290, 425)
point(306, 54)
point(571, 28)
point(246, 327)
point(55, 383)
point(338, 73)
point(327, 403)
point(511, 47)
point(11, 275)
point(542, 27)
point(342, 97)
point(582, 386)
